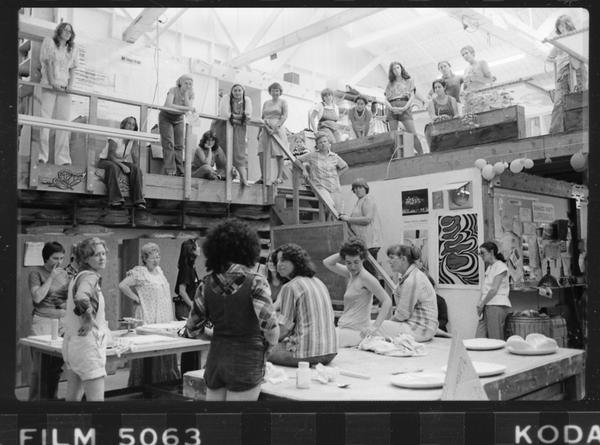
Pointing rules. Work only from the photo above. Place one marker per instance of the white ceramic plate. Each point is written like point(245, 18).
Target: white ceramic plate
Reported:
point(485, 369)
point(532, 351)
point(483, 344)
point(419, 380)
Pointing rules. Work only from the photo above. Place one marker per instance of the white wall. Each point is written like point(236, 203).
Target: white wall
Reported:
point(462, 301)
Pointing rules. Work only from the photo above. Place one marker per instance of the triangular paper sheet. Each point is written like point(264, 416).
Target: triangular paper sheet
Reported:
point(462, 382)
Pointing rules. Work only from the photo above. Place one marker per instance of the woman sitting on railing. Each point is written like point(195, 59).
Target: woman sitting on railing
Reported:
point(58, 58)
point(207, 156)
point(172, 124)
point(360, 117)
point(123, 156)
point(238, 109)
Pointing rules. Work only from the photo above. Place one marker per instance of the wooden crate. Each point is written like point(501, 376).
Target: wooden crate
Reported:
point(489, 126)
point(577, 111)
point(375, 149)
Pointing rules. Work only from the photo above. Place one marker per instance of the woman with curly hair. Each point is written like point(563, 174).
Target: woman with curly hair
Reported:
point(58, 59)
point(306, 322)
point(86, 329)
point(209, 159)
point(355, 322)
point(238, 303)
point(399, 97)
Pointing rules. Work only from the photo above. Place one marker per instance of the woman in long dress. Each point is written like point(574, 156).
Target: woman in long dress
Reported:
point(273, 136)
point(153, 305)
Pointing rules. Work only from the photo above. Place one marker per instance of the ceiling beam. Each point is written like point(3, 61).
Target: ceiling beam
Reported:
point(526, 43)
point(263, 29)
point(142, 23)
point(234, 45)
point(170, 23)
point(302, 35)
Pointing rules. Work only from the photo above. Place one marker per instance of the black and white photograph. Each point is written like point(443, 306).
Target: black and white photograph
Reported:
point(232, 204)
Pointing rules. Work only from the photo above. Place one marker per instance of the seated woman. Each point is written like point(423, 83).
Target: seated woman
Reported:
point(323, 118)
point(123, 156)
point(207, 156)
point(416, 306)
point(306, 321)
point(238, 303)
point(355, 323)
point(441, 107)
point(360, 117)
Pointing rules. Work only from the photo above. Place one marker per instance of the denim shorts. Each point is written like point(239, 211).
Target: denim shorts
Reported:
point(235, 365)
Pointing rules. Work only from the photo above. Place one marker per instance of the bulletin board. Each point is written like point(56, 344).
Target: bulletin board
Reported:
point(524, 226)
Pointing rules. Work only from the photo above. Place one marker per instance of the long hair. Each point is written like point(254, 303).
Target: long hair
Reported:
point(124, 123)
point(231, 241)
point(492, 247)
point(303, 265)
point(403, 73)
point(58, 30)
point(187, 254)
point(206, 137)
point(244, 118)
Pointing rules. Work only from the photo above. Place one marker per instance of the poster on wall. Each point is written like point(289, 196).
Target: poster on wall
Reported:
point(458, 250)
point(415, 202)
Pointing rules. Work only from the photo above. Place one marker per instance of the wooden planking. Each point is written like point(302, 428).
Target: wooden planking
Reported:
point(373, 149)
point(576, 111)
point(534, 184)
point(564, 144)
point(487, 192)
point(491, 126)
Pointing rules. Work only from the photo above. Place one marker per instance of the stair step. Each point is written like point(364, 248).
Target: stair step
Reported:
point(308, 209)
point(304, 198)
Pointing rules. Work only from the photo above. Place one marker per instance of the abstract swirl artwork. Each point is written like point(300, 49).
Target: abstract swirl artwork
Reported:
point(459, 260)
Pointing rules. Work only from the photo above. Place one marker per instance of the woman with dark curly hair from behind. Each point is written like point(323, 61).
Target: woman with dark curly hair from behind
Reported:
point(238, 303)
point(306, 323)
point(355, 323)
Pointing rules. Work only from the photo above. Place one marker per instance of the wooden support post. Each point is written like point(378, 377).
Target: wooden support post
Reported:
point(296, 195)
point(144, 158)
point(90, 154)
point(189, 155)
point(487, 192)
point(229, 148)
point(36, 139)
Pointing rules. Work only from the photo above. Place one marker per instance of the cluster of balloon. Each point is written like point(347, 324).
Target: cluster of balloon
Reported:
point(579, 161)
point(488, 171)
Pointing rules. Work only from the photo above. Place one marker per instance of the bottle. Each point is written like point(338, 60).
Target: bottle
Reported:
point(303, 376)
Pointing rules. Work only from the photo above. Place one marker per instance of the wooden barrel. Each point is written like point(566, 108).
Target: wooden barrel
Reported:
point(558, 331)
point(523, 326)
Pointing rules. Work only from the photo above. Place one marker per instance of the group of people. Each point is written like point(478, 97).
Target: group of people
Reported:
point(72, 298)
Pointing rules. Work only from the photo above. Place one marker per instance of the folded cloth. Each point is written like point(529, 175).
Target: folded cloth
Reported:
point(325, 374)
point(274, 374)
point(403, 345)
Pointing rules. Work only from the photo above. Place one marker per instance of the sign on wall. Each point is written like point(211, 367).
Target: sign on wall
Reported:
point(415, 202)
point(458, 247)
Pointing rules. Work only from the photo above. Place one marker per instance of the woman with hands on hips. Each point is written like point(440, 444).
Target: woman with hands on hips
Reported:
point(355, 322)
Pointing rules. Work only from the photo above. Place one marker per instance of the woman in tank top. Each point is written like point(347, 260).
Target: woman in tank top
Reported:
point(355, 322)
point(441, 107)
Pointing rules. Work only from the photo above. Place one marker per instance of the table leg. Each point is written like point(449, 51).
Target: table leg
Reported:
point(38, 383)
point(575, 387)
point(147, 377)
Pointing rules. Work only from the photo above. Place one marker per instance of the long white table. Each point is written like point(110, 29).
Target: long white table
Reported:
point(167, 345)
point(543, 377)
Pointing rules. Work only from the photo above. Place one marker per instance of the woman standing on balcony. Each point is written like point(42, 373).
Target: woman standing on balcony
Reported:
point(58, 57)
point(442, 106)
point(477, 76)
point(123, 156)
point(237, 108)
point(273, 135)
point(360, 117)
point(400, 95)
point(172, 124)
point(323, 118)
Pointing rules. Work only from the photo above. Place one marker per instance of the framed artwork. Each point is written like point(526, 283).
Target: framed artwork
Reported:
point(461, 198)
point(437, 200)
point(415, 202)
point(458, 250)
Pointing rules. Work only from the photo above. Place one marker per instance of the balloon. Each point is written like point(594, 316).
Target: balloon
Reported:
point(527, 163)
point(499, 168)
point(578, 162)
point(488, 172)
point(516, 166)
point(480, 163)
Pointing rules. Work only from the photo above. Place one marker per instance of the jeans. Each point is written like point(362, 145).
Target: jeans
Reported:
point(111, 179)
point(172, 129)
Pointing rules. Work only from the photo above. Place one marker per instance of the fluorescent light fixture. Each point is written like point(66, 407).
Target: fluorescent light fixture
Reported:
point(378, 35)
point(507, 60)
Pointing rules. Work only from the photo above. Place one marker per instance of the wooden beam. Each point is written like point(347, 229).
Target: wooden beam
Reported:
point(275, 13)
point(234, 45)
point(534, 184)
point(142, 23)
point(309, 32)
point(516, 38)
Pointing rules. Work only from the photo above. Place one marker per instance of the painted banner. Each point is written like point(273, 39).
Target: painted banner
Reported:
point(459, 258)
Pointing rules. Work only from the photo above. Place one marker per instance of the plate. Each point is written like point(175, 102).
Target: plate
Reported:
point(483, 344)
point(532, 351)
point(419, 380)
point(485, 369)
